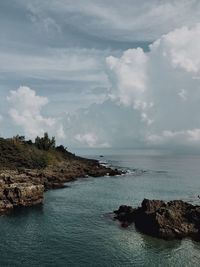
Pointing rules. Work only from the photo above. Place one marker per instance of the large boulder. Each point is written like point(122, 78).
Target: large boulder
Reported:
point(174, 219)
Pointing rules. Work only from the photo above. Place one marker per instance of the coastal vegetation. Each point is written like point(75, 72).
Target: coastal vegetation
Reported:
point(28, 168)
point(17, 152)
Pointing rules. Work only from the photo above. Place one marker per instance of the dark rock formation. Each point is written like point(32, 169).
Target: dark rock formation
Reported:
point(172, 220)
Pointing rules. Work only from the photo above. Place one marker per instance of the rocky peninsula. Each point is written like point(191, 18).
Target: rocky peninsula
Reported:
point(28, 169)
point(168, 220)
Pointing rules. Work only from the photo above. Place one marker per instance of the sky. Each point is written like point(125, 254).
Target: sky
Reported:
point(101, 73)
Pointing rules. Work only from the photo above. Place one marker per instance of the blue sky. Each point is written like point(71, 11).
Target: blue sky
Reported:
point(84, 71)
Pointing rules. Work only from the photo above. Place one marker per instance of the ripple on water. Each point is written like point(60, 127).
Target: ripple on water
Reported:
point(70, 229)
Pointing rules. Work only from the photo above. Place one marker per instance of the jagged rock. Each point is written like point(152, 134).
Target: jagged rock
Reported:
point(27, 169)
point(5, 206)
point(25, 187)
point(174, 219)
point(24, 194)
point(19, 194)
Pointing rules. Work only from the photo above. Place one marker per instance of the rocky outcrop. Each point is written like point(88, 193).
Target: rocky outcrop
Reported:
point(28, 168)
point(54, 177)
point(24, 194)
point(19, 194)
point(25, 187)
point(168, 220)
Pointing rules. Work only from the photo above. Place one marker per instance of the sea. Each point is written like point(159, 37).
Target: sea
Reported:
point(74, 226)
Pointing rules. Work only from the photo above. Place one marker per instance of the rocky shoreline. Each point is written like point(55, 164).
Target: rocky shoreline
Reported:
point(167, 220)
point(26, 187)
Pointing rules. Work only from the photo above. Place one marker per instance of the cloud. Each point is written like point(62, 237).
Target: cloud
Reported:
point(56, 64)
point(129, 78)
point(59, 48)
point(1, 120)
point(160, 85)
point(60, 132)
point(26, 111)
point(153, 99)
point(90, 139)
point(128, 20)
point(128, 75)
point(187, 137)
point(104, 125)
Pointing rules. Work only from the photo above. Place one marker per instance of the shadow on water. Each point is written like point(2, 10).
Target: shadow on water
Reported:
point(196, 244)
point(25, 211)
point(158, 244)
point(148, 242)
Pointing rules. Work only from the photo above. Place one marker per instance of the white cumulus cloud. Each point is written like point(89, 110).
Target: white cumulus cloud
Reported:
point(153, 100)
point(90, 139)
point(26, 111)
point(160, 85)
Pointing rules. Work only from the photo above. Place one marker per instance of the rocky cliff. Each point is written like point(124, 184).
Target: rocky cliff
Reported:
point(28, 169)
point(19, 194)
point(25, 187)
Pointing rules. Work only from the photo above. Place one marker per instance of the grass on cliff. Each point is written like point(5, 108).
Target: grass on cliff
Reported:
point(16, 153)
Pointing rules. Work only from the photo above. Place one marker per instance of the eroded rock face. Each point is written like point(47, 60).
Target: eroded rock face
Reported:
point(24, 194)
point(25, 187)
point(174, 219)
point(19, 194)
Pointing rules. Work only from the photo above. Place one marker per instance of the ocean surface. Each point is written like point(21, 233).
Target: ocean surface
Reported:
point(73, 227)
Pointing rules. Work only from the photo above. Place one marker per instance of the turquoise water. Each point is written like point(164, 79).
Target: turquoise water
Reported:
point(73, 227)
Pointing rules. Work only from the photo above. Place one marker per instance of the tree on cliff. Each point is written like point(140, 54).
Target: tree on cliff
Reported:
point(45, 142)
point(18, 139)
